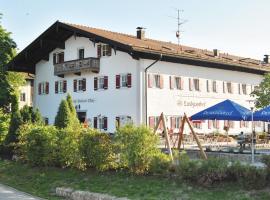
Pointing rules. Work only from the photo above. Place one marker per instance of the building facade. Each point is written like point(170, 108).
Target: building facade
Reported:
point(116, 78)
point(26, 93)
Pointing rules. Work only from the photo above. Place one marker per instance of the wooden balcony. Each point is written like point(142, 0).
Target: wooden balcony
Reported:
point(77, 66)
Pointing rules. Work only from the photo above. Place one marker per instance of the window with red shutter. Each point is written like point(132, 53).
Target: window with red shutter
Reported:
point(95, 83)
point(129, 80)
point(84, 84)
point(99, 50)
point(64, 86)
point(117, 81)
point(56, 87)
point(95, 122)
point(171, 82)
point(105, 82)
point(75, 85)
point(105, 123)
point(182, 83)
point(47, 87)
point(209, 124)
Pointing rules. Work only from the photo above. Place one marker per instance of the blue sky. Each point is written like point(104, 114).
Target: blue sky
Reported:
point(238, 27)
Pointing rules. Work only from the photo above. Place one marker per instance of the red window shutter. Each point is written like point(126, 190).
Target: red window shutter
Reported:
point(95, 122)
point(190, 84)
point(129, 80)
point(64, 86)
point(109, 52)
point(105, 123)
point(84, 84)
point(99, 50)
point(95, 83)
point(151, 122)
point(75, 85)
point(117, 81)
point(117, 122)
point(105, 82)
point(182, 83)
point(171, 82)
point(47, 87)
point(161, 83)
point(172, 122)
point(209, 124)
point(54, 58)
point(39, 88)
point(56, 87)
point(150, 80)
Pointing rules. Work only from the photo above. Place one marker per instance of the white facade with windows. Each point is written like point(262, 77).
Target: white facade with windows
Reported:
point(115, 95)
point(26, 94)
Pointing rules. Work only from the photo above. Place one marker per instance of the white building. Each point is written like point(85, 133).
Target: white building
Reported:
point(26, 92)
point(116, 78)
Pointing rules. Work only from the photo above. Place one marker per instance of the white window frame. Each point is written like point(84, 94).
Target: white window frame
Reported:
point(42, 88)
point(196, 84)
point(101, 123)
point(214, 86)
point(104, 49)
point(79, 85)
point(178, 82)
point(82, 48)
point(123, 80)
point(100, 82)
point(57, 56)
point(23, 97)
point(229, 87)
point(156, 80)
point(244, 89)
point(178, 121)
point(60, 86)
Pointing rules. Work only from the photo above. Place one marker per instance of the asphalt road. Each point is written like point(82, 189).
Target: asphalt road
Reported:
point(8, 193)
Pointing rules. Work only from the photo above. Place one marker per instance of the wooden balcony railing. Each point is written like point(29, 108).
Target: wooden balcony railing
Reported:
point(77, 66)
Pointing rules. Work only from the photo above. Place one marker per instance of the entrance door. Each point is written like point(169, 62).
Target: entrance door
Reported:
point(81, 116)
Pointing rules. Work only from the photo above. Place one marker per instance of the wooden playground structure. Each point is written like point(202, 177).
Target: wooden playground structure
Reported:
point(179, 137)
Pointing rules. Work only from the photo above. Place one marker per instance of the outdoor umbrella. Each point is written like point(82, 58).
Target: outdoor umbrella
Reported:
point(262, 115)
point(225, 110)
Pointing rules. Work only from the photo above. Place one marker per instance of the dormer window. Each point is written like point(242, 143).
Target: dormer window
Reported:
point(58, 57)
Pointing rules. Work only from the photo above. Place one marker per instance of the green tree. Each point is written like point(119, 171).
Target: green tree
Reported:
point(31, 115)
point(73, 114)
point(262, 93)
point(9, 81)
point(63, 119)
point(4, 125)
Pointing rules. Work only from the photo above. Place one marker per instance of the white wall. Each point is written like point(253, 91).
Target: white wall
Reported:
point(111, 102)
point(178, 102)
point(27, 89)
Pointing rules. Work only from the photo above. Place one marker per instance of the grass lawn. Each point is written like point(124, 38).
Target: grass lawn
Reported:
point(42, 182)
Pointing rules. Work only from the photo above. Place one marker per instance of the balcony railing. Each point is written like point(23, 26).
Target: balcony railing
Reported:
point(77, 66)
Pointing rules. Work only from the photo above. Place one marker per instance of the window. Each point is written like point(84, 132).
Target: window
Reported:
point(214, 84)
point(79, 85)
point(46, 120)
point(58, 57)
point(224, 87)
point(228, 123)
point(197, 125)
point(178, 122)
point(104, 50)
point(81, 53)
point(229, 87)
point(43, 88)
point(244, 88)
point(123, 120)
point(60, 86)
point(178, 83)
point(22, 97)
point(101, 122)
point(239, 88)
point(101, 83)
point(157, 81)
point(123, 80)
point(196, 84)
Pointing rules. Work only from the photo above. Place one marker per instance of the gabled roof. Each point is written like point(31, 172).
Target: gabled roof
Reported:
point(56, 35)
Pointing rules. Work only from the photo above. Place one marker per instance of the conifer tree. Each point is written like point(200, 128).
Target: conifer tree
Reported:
point(63, 117)
point(73, 114)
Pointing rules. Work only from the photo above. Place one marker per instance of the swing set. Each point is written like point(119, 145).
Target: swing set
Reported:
point(180, 136)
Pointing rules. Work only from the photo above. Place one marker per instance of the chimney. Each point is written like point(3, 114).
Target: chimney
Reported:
point(140, 33)
point(266, 59)
point(216, 52)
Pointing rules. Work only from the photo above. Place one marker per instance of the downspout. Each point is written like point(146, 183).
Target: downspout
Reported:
point(146, 82)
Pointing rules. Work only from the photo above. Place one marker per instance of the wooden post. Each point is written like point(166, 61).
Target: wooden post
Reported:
point(181, 132)
point(166, 135)
point(156, 127)
point(196, 138)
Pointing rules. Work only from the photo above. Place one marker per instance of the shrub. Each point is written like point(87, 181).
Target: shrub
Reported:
point(15, 122)
point(212, 170)
point(266, 161)
point(68, 148)
point(63, 117)
point(160, 163)
point(4, 124)
point(97, 150)
point(74, 121)
point(31, 115)
point(137, 147)
point(38, 145)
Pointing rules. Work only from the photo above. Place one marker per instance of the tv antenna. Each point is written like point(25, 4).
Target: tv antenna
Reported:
point(180, 22)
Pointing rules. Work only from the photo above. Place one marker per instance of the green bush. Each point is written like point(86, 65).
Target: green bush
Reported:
point(63, 116)
point(97, 150)
point(266, 161)
point(68, 148)
point(160, 163)
point(38, 145)
point(31, 115)
point(4, 125)
point(137, 147)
